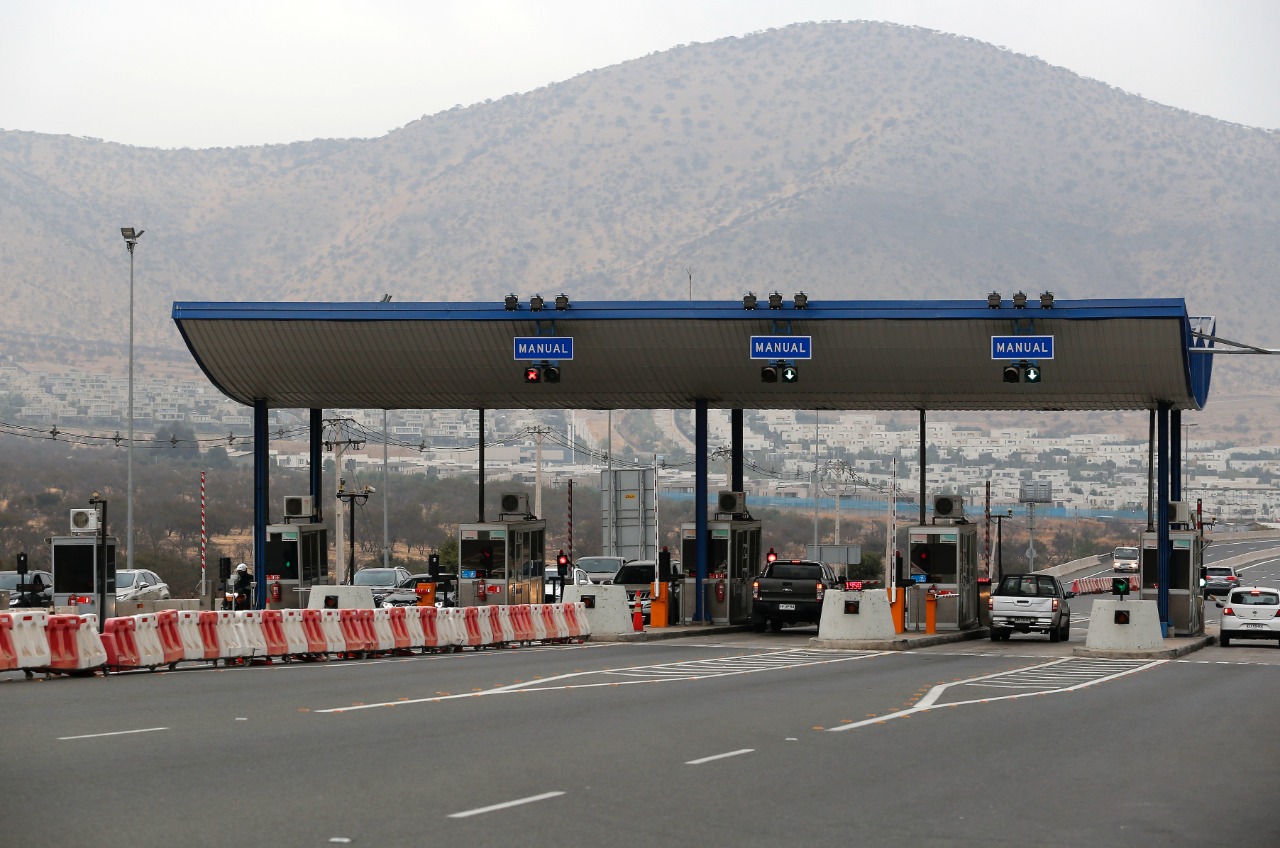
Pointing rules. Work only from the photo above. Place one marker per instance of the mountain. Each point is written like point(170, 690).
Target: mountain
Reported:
point(848, 160)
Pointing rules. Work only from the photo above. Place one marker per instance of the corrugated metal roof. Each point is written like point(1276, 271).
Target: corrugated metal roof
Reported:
point(1108, 354)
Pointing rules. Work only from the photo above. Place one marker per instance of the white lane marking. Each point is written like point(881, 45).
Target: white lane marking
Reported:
point(928, 701)
point(739, 752)
point(113, 733)
point(504, 805)
point(690, 670)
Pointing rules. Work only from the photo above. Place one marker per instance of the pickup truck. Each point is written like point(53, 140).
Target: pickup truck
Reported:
point(789, 592)
point(1030, 603)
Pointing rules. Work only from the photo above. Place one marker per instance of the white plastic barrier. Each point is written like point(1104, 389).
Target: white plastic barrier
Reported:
point(295, 639)
point(230, 635)
point(413, 624)
point(451, 629)
point(146, 635)
point(487, 629)
point(505, 631)
point(31, 638)
point(255, 643)
point(89, 643)
point(562, 626)
point(189, 634)
point(331, 627)
point(584, 623)
point(539, 625)
point(382, 629)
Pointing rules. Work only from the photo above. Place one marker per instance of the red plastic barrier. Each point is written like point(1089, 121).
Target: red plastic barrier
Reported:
point(399, 627)
point(122, 646)
point(366, 625)
point(549, 622)
point(208, 623)
point(522, 620)
point(8, 652)
point(311, 628)
point(170, 638)
point(471, 619)
point(273, 633)
point(430, 627)
point(64, 651)
point(353, 630)
point(571, 619)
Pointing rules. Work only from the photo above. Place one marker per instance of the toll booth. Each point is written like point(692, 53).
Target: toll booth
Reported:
point(1186, 596)
point(83, 574)
point(944, 560)
point(501, 562)
point(297, 559)
point(733, 560)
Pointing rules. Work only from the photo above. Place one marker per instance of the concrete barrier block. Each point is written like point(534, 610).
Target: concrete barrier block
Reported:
point(611, 614)
point(1142, 633)
point(873, 620)
point(348, 597)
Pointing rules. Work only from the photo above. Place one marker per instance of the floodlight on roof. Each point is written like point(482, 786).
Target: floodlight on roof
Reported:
point(535, 303)
point(1020, 300)
point(801, 300)
point(562, 301)
point(512, 302)
point(749, 300)
point(775, 300)
point(993, 300)
point(1046, 300)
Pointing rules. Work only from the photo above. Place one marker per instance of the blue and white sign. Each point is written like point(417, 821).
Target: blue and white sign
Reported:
point(782, 347)
point(544, 347)
point(1022, 347)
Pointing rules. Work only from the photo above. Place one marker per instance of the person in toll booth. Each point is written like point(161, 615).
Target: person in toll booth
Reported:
point(241, 584)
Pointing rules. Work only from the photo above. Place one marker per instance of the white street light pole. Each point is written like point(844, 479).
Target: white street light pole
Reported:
point(131, 240)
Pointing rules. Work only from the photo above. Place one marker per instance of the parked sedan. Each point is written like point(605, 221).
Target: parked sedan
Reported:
point(406, 594)
point(39, 592)
point(140, 584)
point(1250, 612)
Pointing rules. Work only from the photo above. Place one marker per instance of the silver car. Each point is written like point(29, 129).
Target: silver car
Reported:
point(600, 569)
point(140, 584)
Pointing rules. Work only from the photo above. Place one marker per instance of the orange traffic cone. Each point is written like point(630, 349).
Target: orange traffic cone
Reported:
point(637, 618)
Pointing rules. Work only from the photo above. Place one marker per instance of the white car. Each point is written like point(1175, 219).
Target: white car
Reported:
point(1250, 612)
point(140, 584)
point(1124, 560)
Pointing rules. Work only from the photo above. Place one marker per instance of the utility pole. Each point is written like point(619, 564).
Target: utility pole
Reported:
point(539, 432)
point(339, 445)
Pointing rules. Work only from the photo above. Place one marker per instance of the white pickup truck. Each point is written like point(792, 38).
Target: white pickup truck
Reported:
point(1030, 603)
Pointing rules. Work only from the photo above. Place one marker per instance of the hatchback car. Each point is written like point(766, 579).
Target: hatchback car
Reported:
point(140, 584)
point(39, 591)
point(1220, 579)
point(1124, 560)
point(1250, 612)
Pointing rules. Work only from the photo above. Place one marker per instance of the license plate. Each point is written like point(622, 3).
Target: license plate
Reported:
point(1250, 624)
point(790, 607)
point(1023, 618)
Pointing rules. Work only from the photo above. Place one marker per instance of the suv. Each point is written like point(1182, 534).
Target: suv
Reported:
point(1220, 579)
point(1125, 560)
point(637, 576)
point(600, 569)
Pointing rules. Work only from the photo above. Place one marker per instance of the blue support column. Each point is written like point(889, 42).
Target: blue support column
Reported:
point(1175, 455)
point(700, 502)
point(261, 496)
point(317, 460)
point(1162, 516)
point(735, 427)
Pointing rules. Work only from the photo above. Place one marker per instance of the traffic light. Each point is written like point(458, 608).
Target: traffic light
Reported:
point(486, 563)
point(772, 556)
point(920, 557)
point(790, 374)
point(433, 567)
point(544, 373)
point(769, 374)
point(664, 565)
point(550, 374)
point(533, 373)
point(1021, 372)
point(779, 372)
point(22, 563)
point(1120, 586)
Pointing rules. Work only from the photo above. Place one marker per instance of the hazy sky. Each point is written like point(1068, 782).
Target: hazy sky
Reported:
point(162, 73)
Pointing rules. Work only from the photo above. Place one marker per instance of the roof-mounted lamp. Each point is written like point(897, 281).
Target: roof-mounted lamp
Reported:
point(993, 300)
point(1020, 300)
point(749, 300)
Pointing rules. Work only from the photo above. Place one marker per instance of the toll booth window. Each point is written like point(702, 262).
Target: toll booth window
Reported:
point(73, 568)
point(483, 556)
point(942, 567)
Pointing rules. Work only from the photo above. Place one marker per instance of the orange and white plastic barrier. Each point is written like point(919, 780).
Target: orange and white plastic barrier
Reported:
point(8, 653)
point(147, 637)
point(273, 633)
point(335, 635)
point(255, 642)
point(170, 640)
point(1099, 585)
point(92, 654)
point(295, 639)
point(190, 635)
point(384, 639)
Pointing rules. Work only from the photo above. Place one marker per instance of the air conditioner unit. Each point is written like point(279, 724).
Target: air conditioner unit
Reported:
point(84, 520)
point(1179, 512)
point(299, 506)
point(948, 506)
point(515, 503)
point(734, 502)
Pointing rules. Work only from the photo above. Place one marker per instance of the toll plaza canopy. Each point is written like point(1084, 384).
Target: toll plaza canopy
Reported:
point(870, 355)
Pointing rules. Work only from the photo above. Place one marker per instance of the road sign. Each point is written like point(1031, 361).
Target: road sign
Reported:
point(782, 347)
point(1022, 347)
point(543, 347)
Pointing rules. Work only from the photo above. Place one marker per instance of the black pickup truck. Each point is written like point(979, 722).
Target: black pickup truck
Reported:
point(790, 592)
